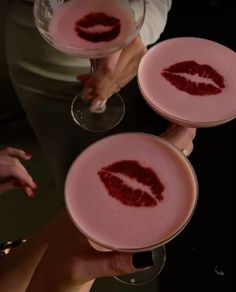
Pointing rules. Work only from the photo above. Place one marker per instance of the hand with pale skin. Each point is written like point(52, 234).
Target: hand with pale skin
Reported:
point(182, 137)
point(12, 172)
point(70, 263)
point(112, 73)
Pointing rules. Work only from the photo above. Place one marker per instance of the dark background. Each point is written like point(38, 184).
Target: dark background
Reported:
point(202, 257)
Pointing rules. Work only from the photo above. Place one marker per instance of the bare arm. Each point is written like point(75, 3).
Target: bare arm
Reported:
point(17, 268)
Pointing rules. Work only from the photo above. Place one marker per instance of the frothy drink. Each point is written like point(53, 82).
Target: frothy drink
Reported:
point(190, 81)
point(85, 25)
point(131, 191)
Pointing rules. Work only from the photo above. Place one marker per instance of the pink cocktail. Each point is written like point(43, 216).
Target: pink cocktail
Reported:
point(91, 29)
point(92, 25)
point(131, 191)
point(190, 81)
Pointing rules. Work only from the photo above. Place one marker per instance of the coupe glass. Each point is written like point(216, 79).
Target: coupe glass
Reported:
point(91, 29)
point(187, 81)
point(149, 197)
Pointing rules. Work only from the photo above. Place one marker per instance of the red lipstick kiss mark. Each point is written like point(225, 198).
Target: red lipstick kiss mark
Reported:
point(191, 87)
point(118, 189)
point(90, 20)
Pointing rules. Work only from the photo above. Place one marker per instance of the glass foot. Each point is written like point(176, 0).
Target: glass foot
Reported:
point(98, 121)
point(144, 277)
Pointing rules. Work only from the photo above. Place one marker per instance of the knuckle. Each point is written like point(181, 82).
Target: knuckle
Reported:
point(8, 149)
point(15, 161)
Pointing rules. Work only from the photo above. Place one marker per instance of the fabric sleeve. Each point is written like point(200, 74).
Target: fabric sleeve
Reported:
point(155, 20)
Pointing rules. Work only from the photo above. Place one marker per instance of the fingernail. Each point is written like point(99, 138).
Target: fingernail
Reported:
point(28, 154)
point(98, 106)
point(142, 260)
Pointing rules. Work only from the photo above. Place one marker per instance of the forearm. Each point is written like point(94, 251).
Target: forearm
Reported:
point(38, 284)
point(17, 267)
point(155, 20)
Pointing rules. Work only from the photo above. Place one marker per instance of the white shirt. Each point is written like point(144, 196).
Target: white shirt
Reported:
point(155, 20)
point(27, 52)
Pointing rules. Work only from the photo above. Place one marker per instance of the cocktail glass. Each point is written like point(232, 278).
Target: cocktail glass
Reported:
point(132, 192)
point(91, 29)
point(190, 81)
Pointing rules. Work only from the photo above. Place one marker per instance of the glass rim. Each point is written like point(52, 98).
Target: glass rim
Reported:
point(172, 117)
point(184, 122)
point(173, 234)
point(86, 53)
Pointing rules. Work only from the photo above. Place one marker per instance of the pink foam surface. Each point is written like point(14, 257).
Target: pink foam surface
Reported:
point(114, 225)
point(170, 101)
point(61, 27)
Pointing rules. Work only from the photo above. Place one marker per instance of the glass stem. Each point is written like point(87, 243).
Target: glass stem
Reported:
point(100, 108)
point(93, 66)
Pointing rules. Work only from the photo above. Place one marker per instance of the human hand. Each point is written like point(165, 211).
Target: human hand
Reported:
point(181, 137)
point(12, 173)
point(70, 263)
point(112, 73)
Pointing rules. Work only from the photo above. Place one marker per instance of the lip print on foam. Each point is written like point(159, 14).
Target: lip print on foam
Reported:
point(83, 27)
point(194, 88)
point(124, 193)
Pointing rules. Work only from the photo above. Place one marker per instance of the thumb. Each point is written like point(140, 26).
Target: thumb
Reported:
point(106, 264)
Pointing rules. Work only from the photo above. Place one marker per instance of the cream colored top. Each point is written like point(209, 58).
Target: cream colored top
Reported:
point(28, 52)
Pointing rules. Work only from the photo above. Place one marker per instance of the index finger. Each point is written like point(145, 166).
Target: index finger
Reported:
point(16, 152)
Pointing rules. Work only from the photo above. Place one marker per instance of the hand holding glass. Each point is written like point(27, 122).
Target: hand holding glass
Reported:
point(138, 201)
point(190, 81)
point(91, 29)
